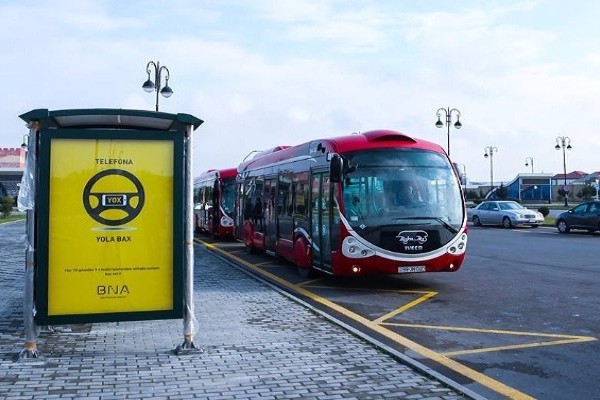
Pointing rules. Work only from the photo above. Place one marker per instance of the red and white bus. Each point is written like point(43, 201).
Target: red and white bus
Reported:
point(214, 198)
point(378, 202)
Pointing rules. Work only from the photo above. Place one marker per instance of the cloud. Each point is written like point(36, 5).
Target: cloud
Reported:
point(264, 73)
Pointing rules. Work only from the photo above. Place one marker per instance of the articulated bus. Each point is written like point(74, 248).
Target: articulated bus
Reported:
point(214, 198)
point(378, 202)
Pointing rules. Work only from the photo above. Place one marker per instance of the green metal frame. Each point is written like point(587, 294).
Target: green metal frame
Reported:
point(107, 124)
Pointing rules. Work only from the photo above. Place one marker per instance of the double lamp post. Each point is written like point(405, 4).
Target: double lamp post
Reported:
point(150, 86)
point(564, 143)
point(448, 117)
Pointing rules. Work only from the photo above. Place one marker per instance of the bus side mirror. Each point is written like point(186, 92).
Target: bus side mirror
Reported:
point(336, 168)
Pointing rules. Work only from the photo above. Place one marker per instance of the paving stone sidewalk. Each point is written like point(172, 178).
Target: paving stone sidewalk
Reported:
point(253, 343)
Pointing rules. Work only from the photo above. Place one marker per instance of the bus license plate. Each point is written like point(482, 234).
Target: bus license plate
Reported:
point(413, 268)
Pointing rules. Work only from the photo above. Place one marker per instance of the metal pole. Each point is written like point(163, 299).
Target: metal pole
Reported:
point(492, 168)
point(30, 349)
point(448, 125)
point(189, 317)
point(157, 81)
point(565, 174)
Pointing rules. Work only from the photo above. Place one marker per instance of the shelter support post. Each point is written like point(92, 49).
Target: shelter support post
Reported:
point(27, 203)
point(190, 322)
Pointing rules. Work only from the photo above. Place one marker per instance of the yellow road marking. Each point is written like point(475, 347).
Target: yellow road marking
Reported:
point(425, 296)
point(310, 282)
point(563, 339)
point(476, 376)
point(412, 304)
point(517, 346)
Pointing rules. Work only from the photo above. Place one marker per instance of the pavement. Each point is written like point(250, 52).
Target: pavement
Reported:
point(253, 342)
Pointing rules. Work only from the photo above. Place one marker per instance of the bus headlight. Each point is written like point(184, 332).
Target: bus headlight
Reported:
point(352, 248)
point(458, 246)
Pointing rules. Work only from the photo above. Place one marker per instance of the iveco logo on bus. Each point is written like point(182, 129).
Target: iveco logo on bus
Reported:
point(412, 239)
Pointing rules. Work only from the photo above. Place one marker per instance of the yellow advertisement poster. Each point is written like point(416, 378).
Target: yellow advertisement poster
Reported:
point(110, 224)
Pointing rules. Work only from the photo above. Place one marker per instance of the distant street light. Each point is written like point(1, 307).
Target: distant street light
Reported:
point(528, 161)
point(564, 143)
point(489, 152)
point(448, 113)
point(150, 86)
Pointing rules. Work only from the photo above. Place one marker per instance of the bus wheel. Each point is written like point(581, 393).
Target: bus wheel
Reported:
point(302, 258)
point(305, 272)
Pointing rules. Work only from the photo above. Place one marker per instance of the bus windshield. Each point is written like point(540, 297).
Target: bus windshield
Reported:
point(228, 196)
point(401, 186)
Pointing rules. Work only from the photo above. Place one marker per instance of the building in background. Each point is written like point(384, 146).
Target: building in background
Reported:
point(12, 165)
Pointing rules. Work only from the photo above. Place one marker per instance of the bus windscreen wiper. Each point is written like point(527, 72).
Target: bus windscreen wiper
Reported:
point(440, 220)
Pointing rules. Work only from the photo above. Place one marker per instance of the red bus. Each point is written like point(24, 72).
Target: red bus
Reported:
point(214, 198)
point(378, 202)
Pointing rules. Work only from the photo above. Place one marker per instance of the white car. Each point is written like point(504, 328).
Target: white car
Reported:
point(504, 212)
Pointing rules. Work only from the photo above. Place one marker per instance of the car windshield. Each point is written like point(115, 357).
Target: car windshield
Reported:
point(510, 206)
point(390, 185)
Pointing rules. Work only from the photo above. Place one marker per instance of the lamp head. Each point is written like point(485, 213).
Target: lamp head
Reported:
point(569, 147)
point(439, 123)
point(166, 91)
point(148, 86)
point(557, 147)
point(458, 125)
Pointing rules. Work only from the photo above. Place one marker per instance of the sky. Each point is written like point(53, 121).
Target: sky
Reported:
point(263, 73)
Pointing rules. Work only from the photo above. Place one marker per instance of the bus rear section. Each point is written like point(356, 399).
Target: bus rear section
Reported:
point(214, 198)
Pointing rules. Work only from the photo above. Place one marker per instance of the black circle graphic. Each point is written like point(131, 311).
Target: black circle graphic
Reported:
point(131, 211)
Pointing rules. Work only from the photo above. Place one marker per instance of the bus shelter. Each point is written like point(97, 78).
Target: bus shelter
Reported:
point(108, 195)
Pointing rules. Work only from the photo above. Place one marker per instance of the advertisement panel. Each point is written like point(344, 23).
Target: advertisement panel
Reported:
point(113, 216)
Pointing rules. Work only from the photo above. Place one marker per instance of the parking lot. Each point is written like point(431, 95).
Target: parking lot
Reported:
point(520, 312)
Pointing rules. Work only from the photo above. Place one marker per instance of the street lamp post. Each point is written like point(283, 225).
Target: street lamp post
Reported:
point(529, 161)
point(448, 113)
point(564, 143)
point(489, 152)
point(150, 86)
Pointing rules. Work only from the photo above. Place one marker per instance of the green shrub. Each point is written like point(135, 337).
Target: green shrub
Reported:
point(6, 206)
point(544, 210)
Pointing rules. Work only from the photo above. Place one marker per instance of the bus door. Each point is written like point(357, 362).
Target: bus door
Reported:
point(270, 213)
point(215, 212)
point(321, 221)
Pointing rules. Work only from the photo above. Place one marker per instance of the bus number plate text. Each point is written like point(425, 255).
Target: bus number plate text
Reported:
point(412, 268)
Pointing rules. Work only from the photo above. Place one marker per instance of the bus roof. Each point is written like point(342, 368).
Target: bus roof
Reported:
point(212, 173)
point(341, 144)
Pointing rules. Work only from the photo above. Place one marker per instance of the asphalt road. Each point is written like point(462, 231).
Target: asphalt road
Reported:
point(519, 320)
point(532, 297)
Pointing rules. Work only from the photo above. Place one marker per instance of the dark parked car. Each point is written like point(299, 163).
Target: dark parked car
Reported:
point(583, 216)
point(504, 212)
